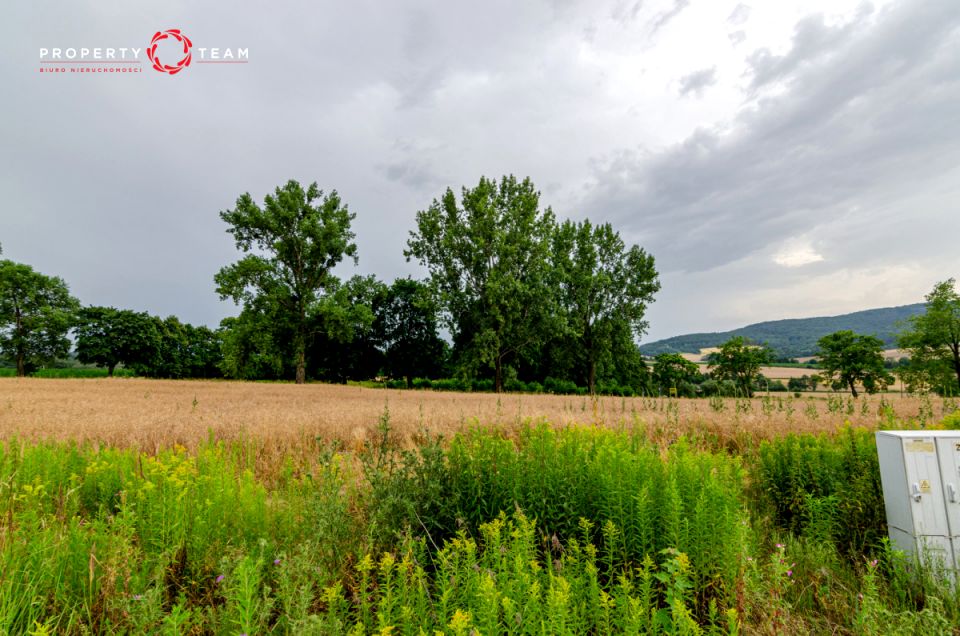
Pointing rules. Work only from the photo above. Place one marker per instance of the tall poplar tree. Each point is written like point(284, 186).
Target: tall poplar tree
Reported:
point(291, 244)
point(487, 255)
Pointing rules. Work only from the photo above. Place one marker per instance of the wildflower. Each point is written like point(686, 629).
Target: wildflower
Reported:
point(780, 546)
point(789, 572)
point(220, 578)
point(276, 561)
point(873, 563)
point(137, 597)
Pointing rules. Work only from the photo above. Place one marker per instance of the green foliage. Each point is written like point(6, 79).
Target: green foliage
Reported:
point(487, 256)
point(687, 500)
point(739, 361)
point(346, 340)
point(824, 485)
point(35, 313)
point(604, 291)
point(796, 337)
point(488, 533)
point(406, 325)
point(849, 359)
point(108, 337)
point(122, 541)
point(184, 351)
point(803, 383)
point(933, 339)
point(291, 244)
point(673, 371)
point(68, 372)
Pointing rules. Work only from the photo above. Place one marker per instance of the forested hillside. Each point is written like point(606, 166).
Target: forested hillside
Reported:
point(796, 336)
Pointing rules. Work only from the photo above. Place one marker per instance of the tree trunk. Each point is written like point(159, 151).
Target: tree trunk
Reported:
point(21, 354)
point(300, 342)
point(592, 379)
point(110, 369)
point(498, 376)
point(956, 362)
point(301, 365)
point(300, 347)
point(853, 388)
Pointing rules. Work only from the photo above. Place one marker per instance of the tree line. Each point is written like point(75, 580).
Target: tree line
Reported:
point(522, 298)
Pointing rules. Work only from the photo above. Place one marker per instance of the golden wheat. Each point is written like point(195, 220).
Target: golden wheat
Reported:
point(157, 413)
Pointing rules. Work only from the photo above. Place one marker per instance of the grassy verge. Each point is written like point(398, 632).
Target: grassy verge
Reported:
point(521, 530)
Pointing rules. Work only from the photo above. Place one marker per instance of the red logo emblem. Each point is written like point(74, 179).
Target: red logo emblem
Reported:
point(179, 37)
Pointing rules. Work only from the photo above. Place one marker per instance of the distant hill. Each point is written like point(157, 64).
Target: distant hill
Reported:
point(795, 337)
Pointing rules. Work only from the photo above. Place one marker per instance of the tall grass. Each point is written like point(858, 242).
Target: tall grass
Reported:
point(524, 530)
point(824, 486)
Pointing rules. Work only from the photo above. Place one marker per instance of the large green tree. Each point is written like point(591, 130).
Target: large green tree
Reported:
point(739, 360)
point(601, 285)
point(36, 311)
point(291, 244)
point(849, 359)
point(406, 325)
point(106, 337)
point(346, 345)
point(672, 370)
point(933, 337)
point(488, 259)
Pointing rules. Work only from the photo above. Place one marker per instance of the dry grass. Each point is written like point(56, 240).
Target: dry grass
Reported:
point(275, 425)
point(157, 413)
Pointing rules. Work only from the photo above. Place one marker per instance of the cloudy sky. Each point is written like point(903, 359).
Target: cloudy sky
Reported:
point(779, 158)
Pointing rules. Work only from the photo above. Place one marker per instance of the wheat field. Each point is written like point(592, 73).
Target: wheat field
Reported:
point(153, 414)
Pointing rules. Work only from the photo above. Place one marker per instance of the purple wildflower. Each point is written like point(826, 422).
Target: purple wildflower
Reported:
point(220, 578)
point(276, 561)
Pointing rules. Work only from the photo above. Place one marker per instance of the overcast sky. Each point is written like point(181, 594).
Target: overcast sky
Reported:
point(780, 158)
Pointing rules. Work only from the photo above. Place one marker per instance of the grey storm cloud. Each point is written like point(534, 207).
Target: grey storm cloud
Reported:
point(837, 139)
point(696, 82)
point(862, 112)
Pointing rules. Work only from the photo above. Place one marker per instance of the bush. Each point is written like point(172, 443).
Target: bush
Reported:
point(637, 501)
point(559, 387)
point(422, 383)
point(514, 385)
point(483, 386)
point(826, 485)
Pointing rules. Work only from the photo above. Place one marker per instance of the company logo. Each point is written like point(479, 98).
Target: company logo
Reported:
point(155, 59)
point(169, 52)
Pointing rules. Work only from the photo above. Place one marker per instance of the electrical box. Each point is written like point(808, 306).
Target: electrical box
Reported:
point(920, 474)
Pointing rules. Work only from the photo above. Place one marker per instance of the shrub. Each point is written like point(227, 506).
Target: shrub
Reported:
point(814, 482)
point(484, 385)
point(559, 387)
point(636, 501)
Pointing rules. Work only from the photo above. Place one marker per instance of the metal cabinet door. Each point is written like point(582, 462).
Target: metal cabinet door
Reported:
point(948, 449)
point(924, 489)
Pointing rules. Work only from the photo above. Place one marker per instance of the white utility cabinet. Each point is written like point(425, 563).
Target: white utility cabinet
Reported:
point(920, 473)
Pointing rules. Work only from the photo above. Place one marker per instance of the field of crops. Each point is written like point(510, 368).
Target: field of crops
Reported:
point(133, 506)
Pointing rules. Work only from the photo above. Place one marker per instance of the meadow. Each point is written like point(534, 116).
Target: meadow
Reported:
point(134, 506)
